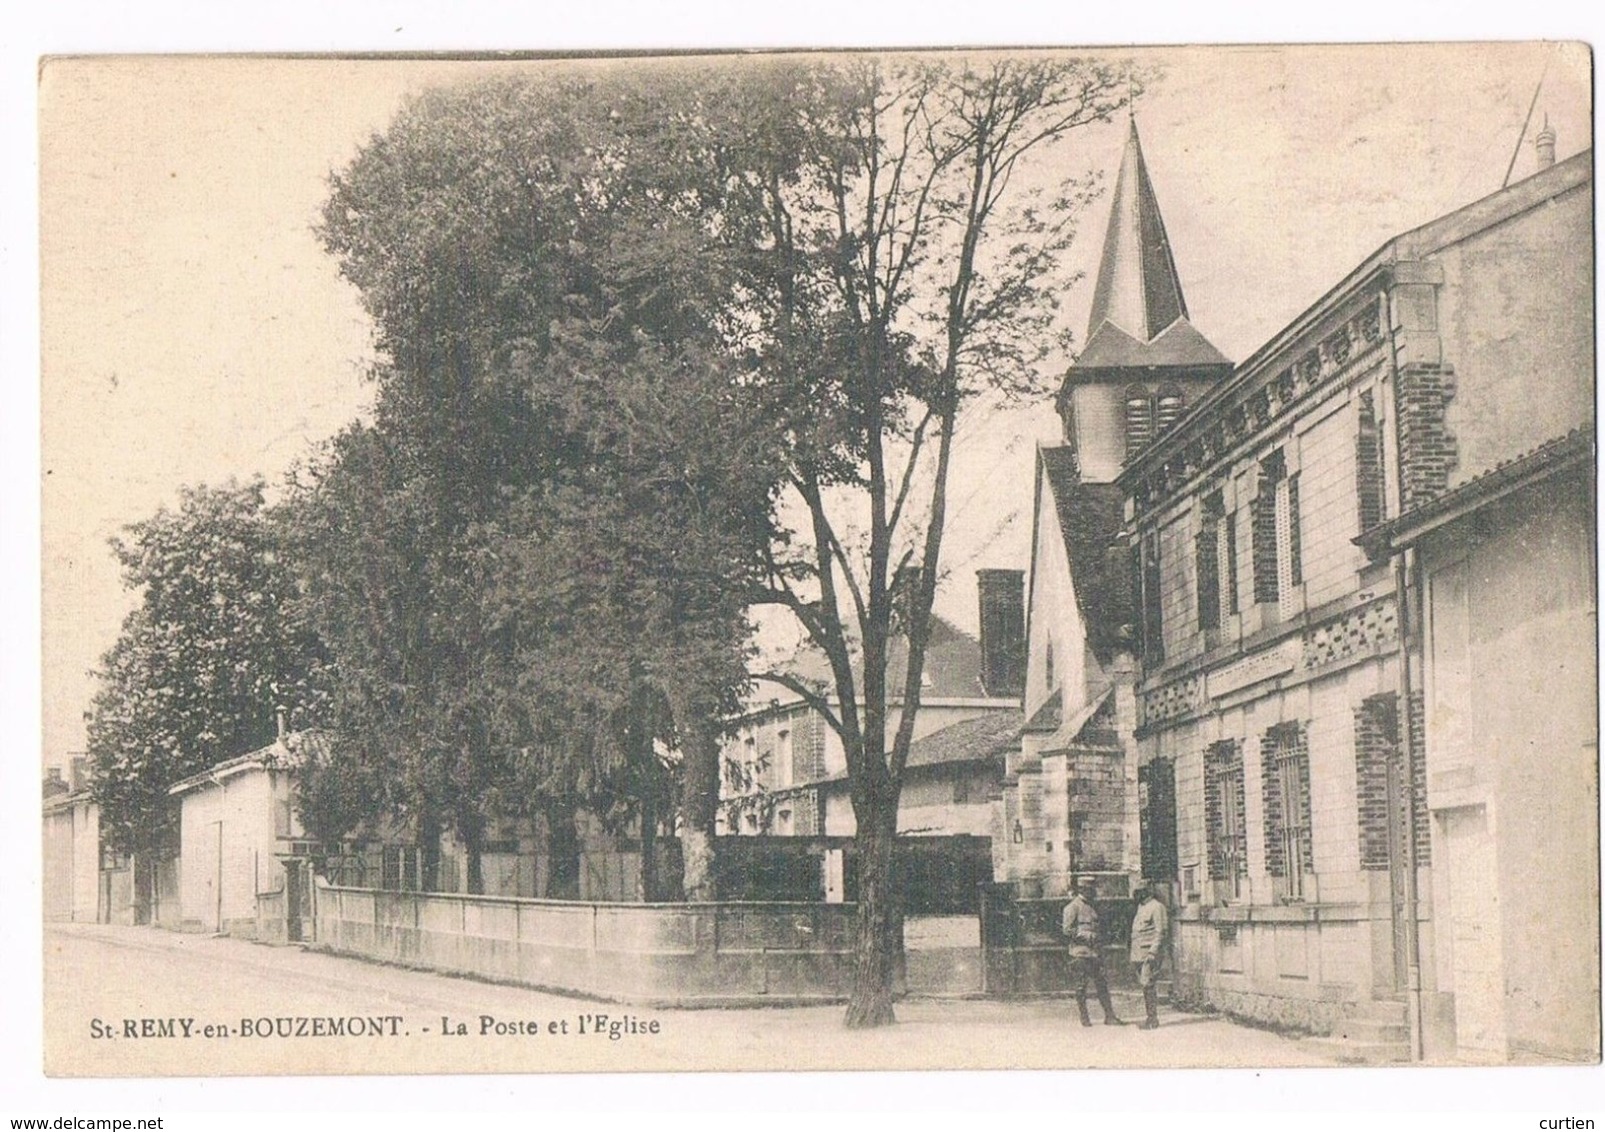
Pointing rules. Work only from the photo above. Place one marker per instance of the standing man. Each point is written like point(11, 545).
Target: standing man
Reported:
point(1081, 930)
point(1149, 930)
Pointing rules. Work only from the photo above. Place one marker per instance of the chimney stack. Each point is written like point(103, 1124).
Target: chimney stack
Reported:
point(1544, 143)
point(1002, 594)
point(279, 715)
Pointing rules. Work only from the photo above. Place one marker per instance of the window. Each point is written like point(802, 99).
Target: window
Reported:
point(1156, 809)
point(1288, 516)
point(1369, 486)
point(1207, 553)
point(1229, 562)
point(1167, 410)
point(1225, 795)
point(1153, 617)
point(1139, 419)
point(1278, 537)
point(783, 765)
point(1289, 858)
point(401, 869)
point(749, 765)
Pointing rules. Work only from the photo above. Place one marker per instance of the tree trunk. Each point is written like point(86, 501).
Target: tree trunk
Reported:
point(474, 851)
point(699, 803)
point(429, 853)
point(647, 887)
point(563, 853)
point(144, 886)
point(877, 943)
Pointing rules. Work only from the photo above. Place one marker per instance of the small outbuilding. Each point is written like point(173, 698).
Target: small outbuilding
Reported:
point(239, 838)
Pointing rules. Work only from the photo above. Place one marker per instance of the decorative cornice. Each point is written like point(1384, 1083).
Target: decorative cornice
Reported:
point(1265, 392)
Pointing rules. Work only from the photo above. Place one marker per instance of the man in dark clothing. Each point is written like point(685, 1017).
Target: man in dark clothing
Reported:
point(1150, 929)
point(1081, 932)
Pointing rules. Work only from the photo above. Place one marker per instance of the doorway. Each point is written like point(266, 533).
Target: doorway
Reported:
point(1474, 933)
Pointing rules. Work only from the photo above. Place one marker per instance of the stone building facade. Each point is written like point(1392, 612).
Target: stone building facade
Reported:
point(1280, 703)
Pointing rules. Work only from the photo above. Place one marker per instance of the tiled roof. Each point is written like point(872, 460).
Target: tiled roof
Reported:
point(1179, 344)
point(279, 753)
point(986, 736)
point(1507, 474)
point(1090, 516)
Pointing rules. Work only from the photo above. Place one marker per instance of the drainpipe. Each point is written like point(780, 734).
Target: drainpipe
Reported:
point(1404, 571)
point(1402, 578)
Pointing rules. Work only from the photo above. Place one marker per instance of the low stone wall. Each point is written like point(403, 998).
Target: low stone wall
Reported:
point(272, 925)
point(647, 954)
point(1297, 968)
point(651, 954)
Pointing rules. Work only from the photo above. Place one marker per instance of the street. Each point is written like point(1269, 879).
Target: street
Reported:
point(142, 1001)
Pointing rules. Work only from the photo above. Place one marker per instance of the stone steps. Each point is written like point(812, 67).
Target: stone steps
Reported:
point(1377, 1033)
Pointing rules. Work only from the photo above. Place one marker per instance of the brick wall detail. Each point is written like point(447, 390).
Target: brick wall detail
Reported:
point(1359, 632)
point(1376, 744)
point(1418, 777)
point(1427, 450)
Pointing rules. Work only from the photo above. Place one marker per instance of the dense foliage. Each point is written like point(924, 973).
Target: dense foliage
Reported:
point(212, 651)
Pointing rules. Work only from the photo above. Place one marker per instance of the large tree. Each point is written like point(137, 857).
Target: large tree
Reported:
point(571, 554)
point(211, 653)
point(867, 248)
point(914, 268)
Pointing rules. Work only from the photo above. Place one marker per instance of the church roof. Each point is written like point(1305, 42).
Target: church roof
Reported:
point(1090, 517)
point(1179, 344)
point(1138, 294)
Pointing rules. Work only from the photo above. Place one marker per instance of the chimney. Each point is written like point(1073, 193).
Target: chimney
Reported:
point(54, 784)
point(279, 716)
point(901, 592)
point(1544, 143)
point(78, 776)
point(1002, 595)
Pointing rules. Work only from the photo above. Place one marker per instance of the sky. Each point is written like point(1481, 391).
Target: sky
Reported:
point(193, 329)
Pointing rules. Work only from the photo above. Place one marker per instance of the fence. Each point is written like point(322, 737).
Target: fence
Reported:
point(1024, 949)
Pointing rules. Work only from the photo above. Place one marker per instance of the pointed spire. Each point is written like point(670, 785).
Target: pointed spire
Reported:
point(1137, 290)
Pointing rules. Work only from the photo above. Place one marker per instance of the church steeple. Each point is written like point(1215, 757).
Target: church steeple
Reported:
point(1143, 362)
point(1137, 286)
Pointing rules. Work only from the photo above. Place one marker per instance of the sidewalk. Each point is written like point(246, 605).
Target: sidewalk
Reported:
point(115, 974)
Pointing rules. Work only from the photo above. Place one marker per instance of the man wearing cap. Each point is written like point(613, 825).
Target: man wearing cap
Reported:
point(1081, 931)
point(1149, 930)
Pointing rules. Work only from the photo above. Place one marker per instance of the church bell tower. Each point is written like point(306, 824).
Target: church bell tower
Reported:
point(1144, 363)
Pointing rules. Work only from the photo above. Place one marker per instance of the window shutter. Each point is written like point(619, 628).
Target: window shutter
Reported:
point(1207, 556)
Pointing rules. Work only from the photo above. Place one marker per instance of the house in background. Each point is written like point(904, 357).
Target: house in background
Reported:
point(786, 770)
point(1307, 709)
point(1072, 792)
point(240, 837)
point(71, 829)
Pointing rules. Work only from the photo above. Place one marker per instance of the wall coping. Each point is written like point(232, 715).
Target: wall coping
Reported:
point(664, 906)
